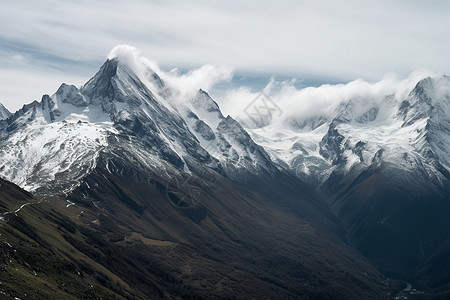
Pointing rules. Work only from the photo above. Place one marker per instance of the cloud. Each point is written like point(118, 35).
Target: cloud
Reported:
point(19, 58)
point(323, 101)
point(295, 103)
point(342, 40)
point(205, 77)
point(335, 41)
point(187, 84)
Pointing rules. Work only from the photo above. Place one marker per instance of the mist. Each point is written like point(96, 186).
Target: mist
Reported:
point(323, 101)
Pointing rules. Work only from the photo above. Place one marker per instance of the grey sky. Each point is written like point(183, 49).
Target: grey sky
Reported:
point(44, 43)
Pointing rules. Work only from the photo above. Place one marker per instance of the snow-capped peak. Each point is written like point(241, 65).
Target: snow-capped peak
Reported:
point(408, 133)
point(126, 107)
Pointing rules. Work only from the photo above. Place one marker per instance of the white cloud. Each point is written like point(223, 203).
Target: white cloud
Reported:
point(338, 41)
point(204, 77)
point(187, 84)
point(348, 39)
point(19, 58)
point(295, 103)
point(323, 101)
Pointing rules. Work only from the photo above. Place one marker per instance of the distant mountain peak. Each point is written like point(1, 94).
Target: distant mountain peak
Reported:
point(4, 112)
point(203, 100)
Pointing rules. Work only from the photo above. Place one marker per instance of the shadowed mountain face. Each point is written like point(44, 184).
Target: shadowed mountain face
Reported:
point(398, 224)
point(136, 236)
point(142, 197)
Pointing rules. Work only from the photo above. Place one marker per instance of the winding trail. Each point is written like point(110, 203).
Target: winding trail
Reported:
point(15, 211)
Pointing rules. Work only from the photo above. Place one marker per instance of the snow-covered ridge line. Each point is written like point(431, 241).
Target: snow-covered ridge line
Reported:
point(409, 133)
point(60, 140)
point(53, 144)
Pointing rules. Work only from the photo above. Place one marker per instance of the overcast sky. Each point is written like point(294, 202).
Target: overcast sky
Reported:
point(47, 42)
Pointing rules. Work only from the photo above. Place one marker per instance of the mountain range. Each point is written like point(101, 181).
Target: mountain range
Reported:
point(141, 190)
point(383, 164)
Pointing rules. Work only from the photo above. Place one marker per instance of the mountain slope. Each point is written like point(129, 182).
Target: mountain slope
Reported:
point(161, 251)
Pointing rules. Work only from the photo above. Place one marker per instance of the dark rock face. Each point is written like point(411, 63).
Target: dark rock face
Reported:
point(4, 113)
point(70, 94)
point(205, 131)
